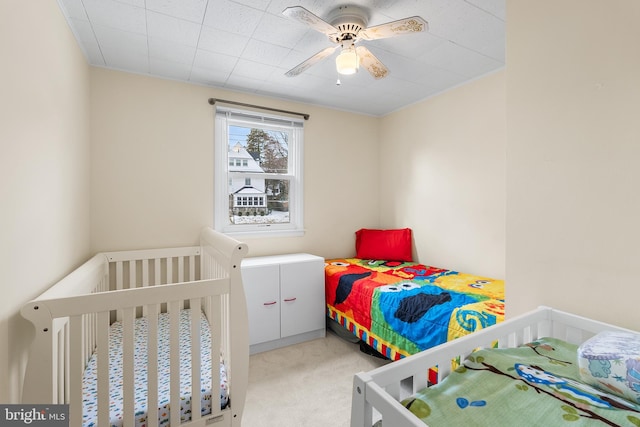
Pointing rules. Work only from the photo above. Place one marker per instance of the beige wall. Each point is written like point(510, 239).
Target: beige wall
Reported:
point(573, 91)
point(44, 185)
point(443, 175)
point(152, 167)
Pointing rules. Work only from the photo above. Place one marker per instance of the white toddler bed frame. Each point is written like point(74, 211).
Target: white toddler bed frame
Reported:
point(377, 394)
point(72, 322)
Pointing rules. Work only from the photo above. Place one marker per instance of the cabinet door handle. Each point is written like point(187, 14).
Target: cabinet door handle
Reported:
point(270, 303)
point(290, 299)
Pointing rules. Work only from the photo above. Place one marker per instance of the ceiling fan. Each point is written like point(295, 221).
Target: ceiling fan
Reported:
point(346, 28)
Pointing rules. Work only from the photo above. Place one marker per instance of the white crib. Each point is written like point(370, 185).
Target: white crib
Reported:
point(73, 317)
point(377, 393)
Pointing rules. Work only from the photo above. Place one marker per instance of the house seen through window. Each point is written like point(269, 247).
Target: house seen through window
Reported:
point(258, 173)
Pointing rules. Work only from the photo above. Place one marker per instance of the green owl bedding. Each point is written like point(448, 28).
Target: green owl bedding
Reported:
point(537, 384)
point(401, 308)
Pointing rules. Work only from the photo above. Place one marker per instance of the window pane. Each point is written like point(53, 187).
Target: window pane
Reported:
point(269, 149)
point(256, 150)
point(258, 209)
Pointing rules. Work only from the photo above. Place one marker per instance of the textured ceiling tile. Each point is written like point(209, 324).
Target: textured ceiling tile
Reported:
point(172, 29)
point(209, 77)
point(191, 10)
point(279, 30)
point(313, 41)
point(495, 7)
point(256, 70)
point(214, 61)
point(169, 69)
point(137, 3)
point(461, 61)
point(120, 16)
point(242, 83)
point(74, 9)
point(440, 79)
point(408, 46)
point(161, 49)
point(265, 53)
point(123, 41)
point(235, 18)
point(90, 45)
point(314, 6)
point(256, 4)
point(219, 41)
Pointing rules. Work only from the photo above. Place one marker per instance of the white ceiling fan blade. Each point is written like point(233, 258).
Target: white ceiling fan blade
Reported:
point(373, 65)
point(301, 14)
point(311, 61)
point(415, 24)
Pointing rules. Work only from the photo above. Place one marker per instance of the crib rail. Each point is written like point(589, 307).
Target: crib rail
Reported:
point(72, 321)
point(377, 394)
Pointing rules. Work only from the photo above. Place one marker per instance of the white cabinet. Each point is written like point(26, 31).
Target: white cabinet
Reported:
point(285, 299)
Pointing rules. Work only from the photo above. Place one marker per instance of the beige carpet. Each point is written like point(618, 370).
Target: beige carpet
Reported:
point(305, 385)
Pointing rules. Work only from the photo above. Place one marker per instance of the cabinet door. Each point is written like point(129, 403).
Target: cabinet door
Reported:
point(262, 286)
point(302, 296)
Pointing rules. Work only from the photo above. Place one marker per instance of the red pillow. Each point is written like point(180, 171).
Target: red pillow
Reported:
point(388, 245)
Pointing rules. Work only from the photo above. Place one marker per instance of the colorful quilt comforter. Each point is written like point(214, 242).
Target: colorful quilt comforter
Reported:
point(89, 380)
point(538, 384)
point(400, 308)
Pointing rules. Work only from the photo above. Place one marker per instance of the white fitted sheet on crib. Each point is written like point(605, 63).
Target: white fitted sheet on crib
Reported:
point(89, 381)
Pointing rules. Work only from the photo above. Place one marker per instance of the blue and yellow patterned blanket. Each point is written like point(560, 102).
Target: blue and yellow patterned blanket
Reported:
point(400, 308)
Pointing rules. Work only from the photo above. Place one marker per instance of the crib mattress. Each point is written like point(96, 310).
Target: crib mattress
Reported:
point(140, 367)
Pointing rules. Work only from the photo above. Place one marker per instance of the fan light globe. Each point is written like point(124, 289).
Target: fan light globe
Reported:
point(347, 62)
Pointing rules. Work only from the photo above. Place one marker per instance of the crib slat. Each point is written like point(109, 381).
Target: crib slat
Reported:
point(145, 281)
point(62, 337)
point(119, 283)
point(196, 387)
point(152, 365)
point(103, 368)
point(128, 380)
point(132, 274)
point(119, 275)
point(157, 279)
point(145, 272)
point(192, 268)
point(181, 269)
point(67, 366)
point(215, 327)
point(174, 353)
point(75, 376)
point(169, 270)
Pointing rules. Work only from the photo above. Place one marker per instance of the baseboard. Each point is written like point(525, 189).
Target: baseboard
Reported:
point(283, 342)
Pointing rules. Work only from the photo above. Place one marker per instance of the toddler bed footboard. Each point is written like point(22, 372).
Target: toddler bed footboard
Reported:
point(127, 333)
point(377, 394)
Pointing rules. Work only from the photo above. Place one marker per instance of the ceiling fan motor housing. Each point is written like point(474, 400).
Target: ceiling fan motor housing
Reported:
point(349, 20)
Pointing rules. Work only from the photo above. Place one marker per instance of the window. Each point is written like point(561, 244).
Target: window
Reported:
point(258, 173)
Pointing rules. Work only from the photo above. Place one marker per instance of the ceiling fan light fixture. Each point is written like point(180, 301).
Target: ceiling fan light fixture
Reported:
point(347, 62)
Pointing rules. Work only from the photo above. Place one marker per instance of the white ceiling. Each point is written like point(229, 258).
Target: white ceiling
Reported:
point(248, 45)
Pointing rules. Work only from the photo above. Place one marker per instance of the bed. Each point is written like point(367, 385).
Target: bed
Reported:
point(128, 333)
point(546, 367)
point(399, 307)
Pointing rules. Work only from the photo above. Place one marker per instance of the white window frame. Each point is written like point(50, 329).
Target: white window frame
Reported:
point(229, 116)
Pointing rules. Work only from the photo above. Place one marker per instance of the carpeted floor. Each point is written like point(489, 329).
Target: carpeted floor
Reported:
point(305, 385)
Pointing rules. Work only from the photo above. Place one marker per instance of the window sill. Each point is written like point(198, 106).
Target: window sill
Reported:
point(266, 233)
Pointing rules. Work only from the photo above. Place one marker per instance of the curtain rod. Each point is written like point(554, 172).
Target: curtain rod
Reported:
point(212, 101)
